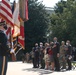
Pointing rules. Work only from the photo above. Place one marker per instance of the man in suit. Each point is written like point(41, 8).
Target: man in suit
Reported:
point(36, 56)
point(55, 49)
point(3, 49)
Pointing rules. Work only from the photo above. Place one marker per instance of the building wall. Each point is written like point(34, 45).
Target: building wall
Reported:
point(50, 10)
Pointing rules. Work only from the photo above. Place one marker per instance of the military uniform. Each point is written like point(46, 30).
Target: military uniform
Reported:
point(62, 57)
point(3, 52)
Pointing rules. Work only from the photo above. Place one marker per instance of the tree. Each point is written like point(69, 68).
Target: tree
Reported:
point(36, 26)
point(58, 25)
point(63, 22)
point(60, 6)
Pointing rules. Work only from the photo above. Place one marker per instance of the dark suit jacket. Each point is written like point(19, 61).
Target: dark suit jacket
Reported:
point(56, 48)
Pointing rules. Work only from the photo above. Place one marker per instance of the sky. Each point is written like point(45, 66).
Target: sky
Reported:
point(47, 3)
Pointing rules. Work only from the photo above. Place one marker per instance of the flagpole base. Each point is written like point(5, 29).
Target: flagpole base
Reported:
point(13, 57)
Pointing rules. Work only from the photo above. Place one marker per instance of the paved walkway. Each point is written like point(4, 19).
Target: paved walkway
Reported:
point(19, 68)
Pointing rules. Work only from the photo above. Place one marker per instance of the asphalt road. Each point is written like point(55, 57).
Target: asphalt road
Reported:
point(19, 68)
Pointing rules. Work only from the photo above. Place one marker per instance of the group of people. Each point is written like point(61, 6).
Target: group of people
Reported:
point(53, 55)
point(43, 56)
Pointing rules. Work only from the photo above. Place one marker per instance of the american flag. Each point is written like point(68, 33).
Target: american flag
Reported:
point(5, 12)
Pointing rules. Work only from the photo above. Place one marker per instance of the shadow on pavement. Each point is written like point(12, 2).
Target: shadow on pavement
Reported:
point(40, 71)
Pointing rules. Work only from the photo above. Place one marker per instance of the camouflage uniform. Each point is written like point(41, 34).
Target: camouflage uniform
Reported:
point(62, 57)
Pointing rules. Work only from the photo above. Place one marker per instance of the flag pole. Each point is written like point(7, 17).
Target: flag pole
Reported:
point(11, 46)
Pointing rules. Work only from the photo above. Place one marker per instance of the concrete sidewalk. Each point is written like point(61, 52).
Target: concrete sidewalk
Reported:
point(19, 68)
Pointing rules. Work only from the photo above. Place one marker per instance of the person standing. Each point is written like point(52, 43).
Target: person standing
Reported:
point(55, 49)
point(62, 56)
point(4, 49)
point(33, 56)
point(51, 56)
point(41, 52)
point(36, 56)
point(69, 54)
point(46, 56)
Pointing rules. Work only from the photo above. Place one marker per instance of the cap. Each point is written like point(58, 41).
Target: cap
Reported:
point(2, 23)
